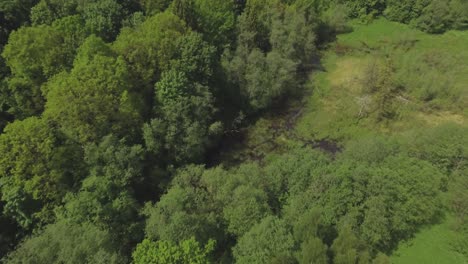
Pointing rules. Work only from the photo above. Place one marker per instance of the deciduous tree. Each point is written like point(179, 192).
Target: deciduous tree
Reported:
point(37, 168)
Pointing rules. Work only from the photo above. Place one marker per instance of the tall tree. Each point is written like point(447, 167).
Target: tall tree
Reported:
point(98, 99)
point(149, 48)
point(216, 21)
point(103, 18)
point(63, 242)
point(183, 124)
point(268, 241)
point(186, 210)
point(35, 54)
point(306, 232)
point(348, 248)
point(161, 252)
point(13, 14)
point(106, 197)
point(37, 168)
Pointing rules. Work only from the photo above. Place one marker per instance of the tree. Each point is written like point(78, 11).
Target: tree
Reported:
point(152, 7)
point(195, 58)
point(348, 248)
point(375, 226)
point(459, 205)
point(185, 122)
point(268, 77)
point(183, 125)
point(381, 259)
point(13, 14)
point(38, 166)
point(161, 252)
point(459, 13)
point(405, 11)
point(435, 17)
point(47, 11)
point(98, 99)
point(266, 241)
point(35, 54)
point(241, 196)
point(431, 16)
point(92, 46)
point(255, 23)
point(294, 35)
point(361, 8)
point(262, 78)
point(445, 146)
point(149, 48)
point(383, 195)
point(246, 208)
point(63, 242)
point(313, 250)
point(185, 10)
point(306, 232)
point(398, 195)
point(273, 45)
point(216, 20)
point(291, 174)
point(103, 18)
point(458, 196)
point(73, 32)
point(186, 210)
point(106, 197)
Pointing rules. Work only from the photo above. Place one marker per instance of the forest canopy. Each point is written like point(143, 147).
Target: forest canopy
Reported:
point(116, 117)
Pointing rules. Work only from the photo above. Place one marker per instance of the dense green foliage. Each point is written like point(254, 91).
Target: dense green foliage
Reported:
point(38, 167)
point(116, 117)
point(62, 242)
point(188, 251)
point(433, 16)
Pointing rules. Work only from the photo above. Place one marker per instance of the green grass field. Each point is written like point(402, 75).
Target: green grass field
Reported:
point(432, 69)
point(432, 245)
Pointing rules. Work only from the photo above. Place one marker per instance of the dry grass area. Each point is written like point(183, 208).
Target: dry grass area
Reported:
point(345, 81)
point(437, 118)
point(349, 74)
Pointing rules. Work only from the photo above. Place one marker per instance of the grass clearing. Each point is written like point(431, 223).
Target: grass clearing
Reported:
point(432, 68)
point(348, 74)
point(431, 245)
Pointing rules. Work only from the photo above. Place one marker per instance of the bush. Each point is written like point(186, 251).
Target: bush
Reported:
point(405, 11)
point(435, 18)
